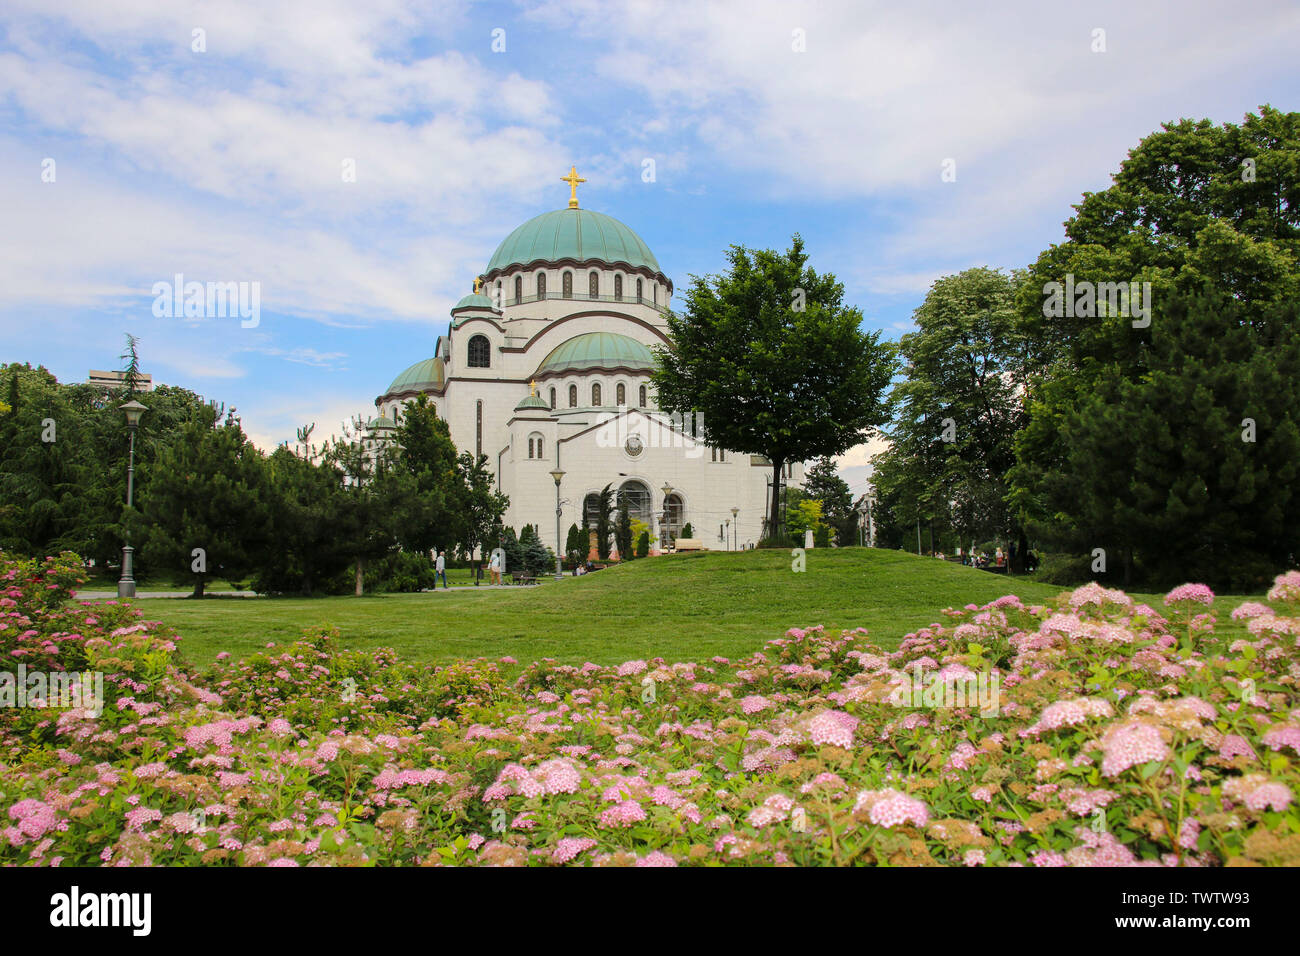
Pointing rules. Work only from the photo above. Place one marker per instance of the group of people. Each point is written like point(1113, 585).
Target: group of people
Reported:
point(999, 558)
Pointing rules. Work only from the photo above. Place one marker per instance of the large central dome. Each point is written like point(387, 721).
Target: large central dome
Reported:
point(579, 235)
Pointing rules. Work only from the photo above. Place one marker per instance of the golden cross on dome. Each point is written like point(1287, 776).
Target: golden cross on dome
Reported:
point(573, 179)
point(532, 387)
point(478, 284)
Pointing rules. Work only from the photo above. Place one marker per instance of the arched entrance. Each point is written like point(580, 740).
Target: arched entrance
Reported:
point(636, 496)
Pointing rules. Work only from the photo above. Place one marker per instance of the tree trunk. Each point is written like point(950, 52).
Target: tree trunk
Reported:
point(1022, 548)
point(360, 578)
point(198, 586)
point(774, 517)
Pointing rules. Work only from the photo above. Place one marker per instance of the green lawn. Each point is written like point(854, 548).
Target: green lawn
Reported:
point(680, 607)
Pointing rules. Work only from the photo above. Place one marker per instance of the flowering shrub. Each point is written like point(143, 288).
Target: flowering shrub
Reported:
point(1121, 736)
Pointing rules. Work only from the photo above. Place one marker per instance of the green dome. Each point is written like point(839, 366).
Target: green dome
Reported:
point(422, 376)
point(533, 401)
point(382, 422)
point(475, 300)
point(578, 234)
point(593, 350)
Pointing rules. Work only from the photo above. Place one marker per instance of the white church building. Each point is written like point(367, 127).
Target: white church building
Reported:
point(546, 368)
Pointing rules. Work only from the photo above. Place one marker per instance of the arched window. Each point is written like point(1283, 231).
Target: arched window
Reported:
point(590, 510)
point(519, 289)
point(618, 288)
point(642, 396)
point(573, 396)
point(676, 513)
point(480, 352)
point(478, 429)
point(638, 290)
point(552, 398)
point(595, 395)
point(636, 496)
point(654, 292)
point(540, 440)
point(530, 447)
point(620, 394)
point(567, 284)
point(593, 284)
point(541, 285)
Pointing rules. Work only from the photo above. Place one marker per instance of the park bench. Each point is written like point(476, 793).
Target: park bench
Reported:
point(518, 577)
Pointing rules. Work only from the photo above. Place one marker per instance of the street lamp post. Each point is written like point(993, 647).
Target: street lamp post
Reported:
point(667, 489)
point(559, 550)
point(126, 584)
point(735, 528)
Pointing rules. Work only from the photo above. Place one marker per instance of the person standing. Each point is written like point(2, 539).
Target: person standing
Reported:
point(440, 570)
point(494, 568)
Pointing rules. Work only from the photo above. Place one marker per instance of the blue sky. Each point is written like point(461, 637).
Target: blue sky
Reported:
point(225, 164)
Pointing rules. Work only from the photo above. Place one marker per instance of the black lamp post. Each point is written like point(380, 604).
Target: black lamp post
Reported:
point(735, 528)
point(559, 568)
point(126, 584)
point(667, 489)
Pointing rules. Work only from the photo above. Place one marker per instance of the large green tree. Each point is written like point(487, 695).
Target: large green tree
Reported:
point(823, 483)
point(206, 501)
point(1206, 215)
point(775, 362)
point(427, 478)
point(959, 407)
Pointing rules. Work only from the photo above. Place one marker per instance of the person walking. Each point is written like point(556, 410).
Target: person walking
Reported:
point(440, 571)
point(494, 568)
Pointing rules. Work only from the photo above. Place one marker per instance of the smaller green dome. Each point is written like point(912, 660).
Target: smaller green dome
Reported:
point(475, 300)
point(381, 423)
point(598, 350)
point(420, 377)
point(533, 401)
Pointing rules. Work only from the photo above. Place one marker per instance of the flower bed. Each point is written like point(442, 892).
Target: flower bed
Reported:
point(1094, 732)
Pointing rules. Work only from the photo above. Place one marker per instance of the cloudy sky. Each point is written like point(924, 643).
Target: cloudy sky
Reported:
point(141, 138)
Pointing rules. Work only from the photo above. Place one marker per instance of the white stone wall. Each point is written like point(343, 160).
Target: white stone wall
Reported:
point(708, 489)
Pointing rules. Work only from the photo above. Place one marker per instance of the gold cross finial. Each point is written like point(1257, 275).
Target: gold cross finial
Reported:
point(532, 387)
point(573, 179)
point(478, 283)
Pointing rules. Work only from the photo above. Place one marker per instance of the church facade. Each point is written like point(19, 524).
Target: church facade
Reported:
point(546, 369)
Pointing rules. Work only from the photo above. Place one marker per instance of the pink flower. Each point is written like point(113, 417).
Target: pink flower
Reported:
point(1286, 587)
point(656, 858)
point(1251, 609)
point(622, 815)
point(889, 808)
point(1190, 592)
point(1287, 735)
point(1128, 744)
point(1067, 713)
point(558, 776)
point(754, 703)
point(570, 847)
point(833, 727)
point(1258, 793)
